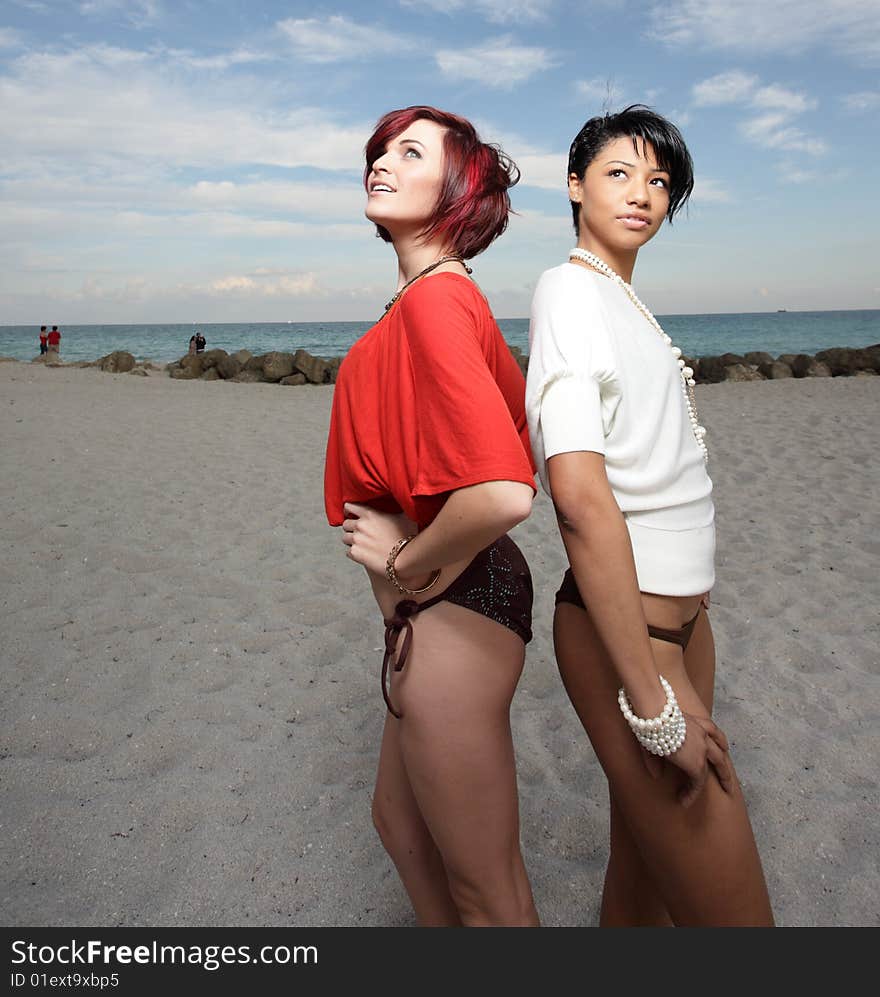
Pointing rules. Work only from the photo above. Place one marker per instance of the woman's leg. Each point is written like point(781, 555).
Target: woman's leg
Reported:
point(407, 839)
point(702, 862)
point(455, 744)
point(629, 896)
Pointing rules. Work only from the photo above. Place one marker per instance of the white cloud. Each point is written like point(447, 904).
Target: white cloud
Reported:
point(220, 61)
point(499, 62)
point(101, 105)
point(10, 38)
point(708, 191)
point(773, 131)
point(733, 87)
point(600, 93)
point(497, 11)
point(140, 13)
point(338, 39)
point(848, 27)
point(262, 285)
point(775, 97)
point(772, 128)
point(865, 100)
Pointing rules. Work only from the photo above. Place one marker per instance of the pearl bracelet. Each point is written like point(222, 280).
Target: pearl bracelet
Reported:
point(661, 735)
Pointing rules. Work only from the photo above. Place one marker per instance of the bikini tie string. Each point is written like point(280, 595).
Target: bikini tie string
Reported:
point(398, 623)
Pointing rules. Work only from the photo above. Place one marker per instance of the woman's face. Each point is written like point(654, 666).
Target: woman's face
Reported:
point(623, 196)
point(404, 182)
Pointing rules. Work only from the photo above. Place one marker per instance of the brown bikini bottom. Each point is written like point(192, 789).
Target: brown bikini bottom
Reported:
point(497, 584)
point(568, 592)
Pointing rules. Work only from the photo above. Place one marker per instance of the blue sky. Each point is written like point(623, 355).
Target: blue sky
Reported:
point(200, 161)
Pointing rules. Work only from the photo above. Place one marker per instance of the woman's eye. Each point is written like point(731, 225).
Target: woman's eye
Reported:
point(414, 152)
point(660, 180)
point(616, 173)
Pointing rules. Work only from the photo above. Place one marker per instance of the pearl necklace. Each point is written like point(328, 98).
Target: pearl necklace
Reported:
point(687, 374)
point(443, 259)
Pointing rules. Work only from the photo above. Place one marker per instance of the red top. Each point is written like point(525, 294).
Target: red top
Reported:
point(54, 337)
point(429, 400)
point(44, 336)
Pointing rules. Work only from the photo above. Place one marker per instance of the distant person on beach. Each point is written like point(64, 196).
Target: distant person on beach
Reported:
point(200, 343)
point(428, 467)
point(44, 340)
point(620, 449)
point(193, 339)
point(54, 340)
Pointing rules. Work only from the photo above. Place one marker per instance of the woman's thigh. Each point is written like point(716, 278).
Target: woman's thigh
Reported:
point(703, 859)
point(454, 694)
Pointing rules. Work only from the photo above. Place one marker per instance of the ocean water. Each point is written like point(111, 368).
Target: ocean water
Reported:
point(697, 335)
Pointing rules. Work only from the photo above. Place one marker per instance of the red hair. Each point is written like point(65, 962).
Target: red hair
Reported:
point(473, 206)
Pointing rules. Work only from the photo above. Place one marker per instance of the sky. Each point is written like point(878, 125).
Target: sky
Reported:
point(183, 161)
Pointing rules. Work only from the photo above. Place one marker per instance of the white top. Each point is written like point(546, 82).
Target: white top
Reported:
point(601, 378)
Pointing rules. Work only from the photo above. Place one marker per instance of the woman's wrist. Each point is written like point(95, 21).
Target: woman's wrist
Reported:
point(647, 696)
point(408, 579)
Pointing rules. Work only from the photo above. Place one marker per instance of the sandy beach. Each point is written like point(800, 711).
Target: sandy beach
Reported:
point(190, 702)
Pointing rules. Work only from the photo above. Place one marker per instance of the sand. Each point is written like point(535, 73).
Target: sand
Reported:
point(190, 702)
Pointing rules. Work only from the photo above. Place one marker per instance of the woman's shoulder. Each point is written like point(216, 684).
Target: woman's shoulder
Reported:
point(568, 289)
point(439, 288)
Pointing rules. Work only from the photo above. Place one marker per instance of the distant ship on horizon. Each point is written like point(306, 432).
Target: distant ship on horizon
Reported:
point(781, 310)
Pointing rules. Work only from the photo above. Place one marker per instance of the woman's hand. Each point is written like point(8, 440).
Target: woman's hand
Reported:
point(705, 744)
point(370, 534)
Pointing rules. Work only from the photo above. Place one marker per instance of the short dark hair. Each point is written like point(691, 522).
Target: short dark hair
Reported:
point(638, 122)
point(473, 206)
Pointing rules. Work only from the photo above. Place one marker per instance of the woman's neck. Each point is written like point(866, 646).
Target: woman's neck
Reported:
point(413, 257)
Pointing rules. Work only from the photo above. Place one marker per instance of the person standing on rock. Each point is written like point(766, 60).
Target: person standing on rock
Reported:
point(427, 469)
point(44, 340)
point(620, 450)
point(200, 343)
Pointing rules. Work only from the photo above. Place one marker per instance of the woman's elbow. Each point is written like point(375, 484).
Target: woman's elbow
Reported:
point(512, 503)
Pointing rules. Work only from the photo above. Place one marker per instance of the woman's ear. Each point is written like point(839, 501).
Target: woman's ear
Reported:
point(575, 185)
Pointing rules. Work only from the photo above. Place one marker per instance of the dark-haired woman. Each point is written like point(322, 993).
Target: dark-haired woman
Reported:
point(428, 467)
point(620, 449)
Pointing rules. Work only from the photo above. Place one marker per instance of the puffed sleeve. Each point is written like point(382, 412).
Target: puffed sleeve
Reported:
point(571, 391)
point(465, 428)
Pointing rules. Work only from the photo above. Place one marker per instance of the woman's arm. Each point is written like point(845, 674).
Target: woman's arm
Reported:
point(471, 519)
point(600, 553)
point(601, 558)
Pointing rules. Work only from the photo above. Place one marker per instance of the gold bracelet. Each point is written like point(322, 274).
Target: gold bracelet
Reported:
point(391, 574)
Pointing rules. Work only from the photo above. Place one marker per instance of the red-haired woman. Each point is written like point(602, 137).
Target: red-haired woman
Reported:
point(428, 466)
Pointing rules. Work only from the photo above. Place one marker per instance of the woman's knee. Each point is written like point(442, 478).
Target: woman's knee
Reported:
point(401, 836)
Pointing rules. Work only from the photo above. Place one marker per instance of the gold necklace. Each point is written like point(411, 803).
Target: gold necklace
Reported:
point(428, 269)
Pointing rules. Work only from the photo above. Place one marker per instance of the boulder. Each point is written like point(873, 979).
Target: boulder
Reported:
point(139, 371)
point(187, 368)
point(334, 363)
point(757, 358)
point(211, 374)
point(242, 356)
point(728, 358)
point(254, 363)
point(522, 360)
point(277, 366)
point(818, 369)
point(210, 358)
point(865, 373)
point(711, 370)
point(742, 372)
point(799, 363)
point(316, 370)
point(249, 377)
point(844, 362)
point(117, 362)
point(293, 379)
point(227, 367)
point(775, 370)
